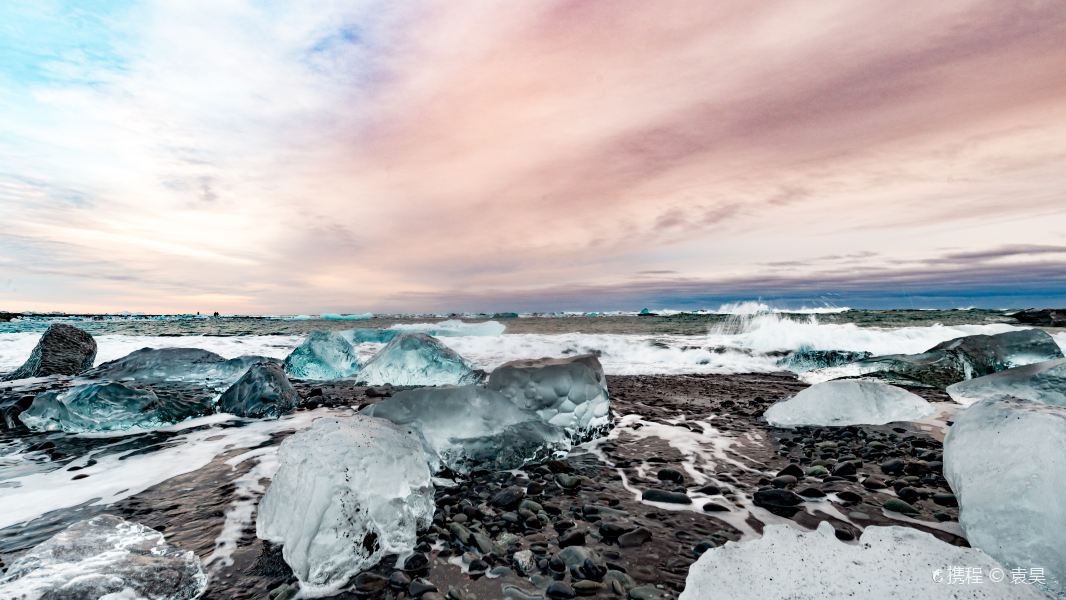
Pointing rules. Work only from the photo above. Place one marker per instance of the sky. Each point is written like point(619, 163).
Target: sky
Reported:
point(280, 157)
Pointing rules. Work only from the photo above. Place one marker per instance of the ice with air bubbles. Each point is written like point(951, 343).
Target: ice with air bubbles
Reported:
point(105, 557)
point(347, 492)
point(417, 359)
point(1041, 382)
point(323, 355)
point(470, 427)
point(108, 407)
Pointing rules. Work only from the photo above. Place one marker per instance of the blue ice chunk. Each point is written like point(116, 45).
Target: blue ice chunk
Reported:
point(324, 355)
point(263, 391)
point(107, 407)
point(417, 359)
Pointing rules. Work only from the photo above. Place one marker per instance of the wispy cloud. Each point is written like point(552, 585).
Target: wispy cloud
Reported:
point(274, 157)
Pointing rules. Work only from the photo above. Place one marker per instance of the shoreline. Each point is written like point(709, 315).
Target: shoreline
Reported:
point(694, 438)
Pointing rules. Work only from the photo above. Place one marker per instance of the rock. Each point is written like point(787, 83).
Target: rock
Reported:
point(572, 538)
point(637, 537)
point(775, 498)
point(105, 556)
point(671, 475)
point(1042, 317)
point(897, 505)
point(654, 495)
point(509, 497)
point(945, 499)
point(784, 481)
point(62, 350)
point(792, 469)
point(714, 507)
point(893, 466)
point(264, 391)
point(560, 590)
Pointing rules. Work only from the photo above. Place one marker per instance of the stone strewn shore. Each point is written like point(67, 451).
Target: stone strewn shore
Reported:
point(688, 466)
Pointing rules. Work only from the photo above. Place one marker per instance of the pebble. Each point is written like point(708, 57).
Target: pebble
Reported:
point(634, 538)
point(656, 495)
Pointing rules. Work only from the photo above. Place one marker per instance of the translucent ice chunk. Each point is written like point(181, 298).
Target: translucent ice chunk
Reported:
point(806, 359)
point(175, 364)
point(105, 557)
point(567, 392)
point(417, 359)
point(324, 355)
point(1005, 459)
point(470, 427)
point(347, 492)
point(263, 391)
point(107, 407)
point(964, 358)
point(888, 563)
point(1041, 382)
point(848, 402)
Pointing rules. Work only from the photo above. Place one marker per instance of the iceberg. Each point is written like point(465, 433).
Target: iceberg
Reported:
point(848, 402)
point(263, 391)
point(567, 392)
point(453, 327)
point(807, 358)
point(417, 359)
point(62, 350)
point(347, 492)
point(107, 407)
point(888, 563)
point(964, 358)
point(175, 364)
point(1041, 382)
point(337, 317)
point(471, 427)
point(323, 355)
point(1005, 459)
point(105, 557)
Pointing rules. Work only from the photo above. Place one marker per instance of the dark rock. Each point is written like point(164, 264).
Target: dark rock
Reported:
point(945, 499)
point(560, 590)
point(897, 505)
point(893, 466)
point(793, 470)
point(655, 495)
point(714, 507)
point(62, 350)
point(264, 391)
point(421, 586)
point(784, 481)
point(509, 498)
point(637, 537)
point(671, 475)
point(776, 497)
point(1042, 317)
point(572, 538)
point(844, 469)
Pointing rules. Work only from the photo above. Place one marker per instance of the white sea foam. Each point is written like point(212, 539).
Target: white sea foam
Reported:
point(737, 345)
point(120, 475)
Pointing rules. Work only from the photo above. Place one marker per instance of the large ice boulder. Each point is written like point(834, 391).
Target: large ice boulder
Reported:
point(1041, 382)
point(153, 365)
point(323, 355)
point(964, 358)
point(471, 427)
point(1005, 459)
point(567, 392)
point(263, 391)
point(417, 359)
point(848, 402)
point(105, 557)
point(62, 350)
point(347, 492)
point(888, 563)
point(107, 407)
